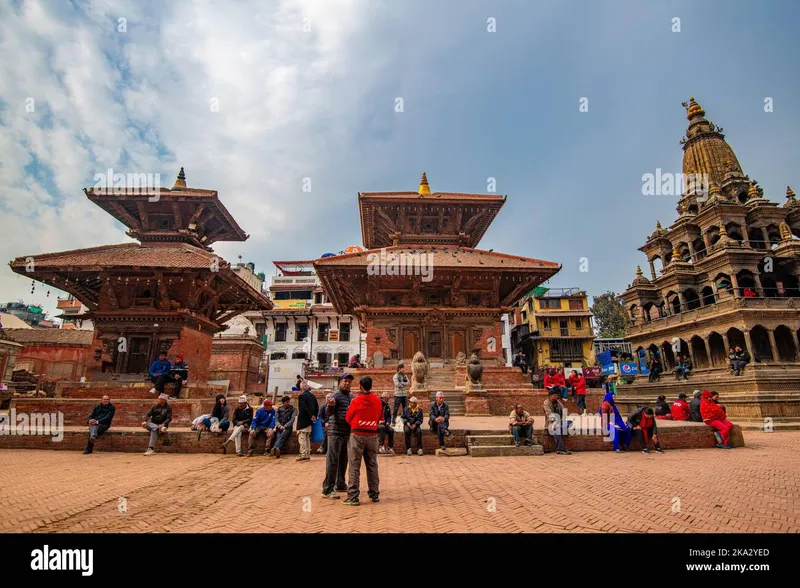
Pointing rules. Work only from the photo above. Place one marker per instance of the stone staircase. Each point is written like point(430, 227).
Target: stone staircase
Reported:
point(500, 446)
point(441, 378)
point(453, 398)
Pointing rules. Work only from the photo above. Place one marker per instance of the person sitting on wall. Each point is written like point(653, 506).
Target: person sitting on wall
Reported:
point(555, 381)
point(159, 373)
point(741, 359)
point(439, 419)
point(263, 424)
point(521, 362)
point(714, 416)
point(355, 362)
point(521, 423)
point(179, 374)
point(99, 421)
point(242, 417)
point(694, 408)
point(680, 409)
point(655, 370)
point(684, 367)
point(284, 425)
point(715, 400)
point(157, 420)
point(298, 385)
point(663, 410)
point(642, 422)
point(412, 424)
point(385, 426)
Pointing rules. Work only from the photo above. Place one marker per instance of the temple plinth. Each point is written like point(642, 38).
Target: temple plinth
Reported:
point(422, 285)
point(166, 292)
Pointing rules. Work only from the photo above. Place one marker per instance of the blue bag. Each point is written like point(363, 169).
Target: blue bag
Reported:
point(317, 434)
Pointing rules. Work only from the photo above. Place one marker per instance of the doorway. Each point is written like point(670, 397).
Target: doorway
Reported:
point(139, 355)
point(456, 344)
point(434, 344)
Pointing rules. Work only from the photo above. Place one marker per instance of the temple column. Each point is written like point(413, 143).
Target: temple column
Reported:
point(691, 252)
point(735, 286)
point(682, 302)
point(765, 236)
point(749, 343)
point(759, 287)
point(708, 351)
point(652, 269)
point(773, 344)
point(725, 340)
point(796, 344)
point(705, 240)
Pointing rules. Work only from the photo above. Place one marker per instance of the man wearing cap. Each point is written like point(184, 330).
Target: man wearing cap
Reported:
point(439, 419)
point(179, 374)
point(157, 420)
point(363, 415)
point(159, 373)
point(284, 423)
point(338, 438)
point(412, 424)
point(263, 424)
point(680, 409)
point(242, 417)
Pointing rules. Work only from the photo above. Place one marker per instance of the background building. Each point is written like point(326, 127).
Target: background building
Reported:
point(72, 311)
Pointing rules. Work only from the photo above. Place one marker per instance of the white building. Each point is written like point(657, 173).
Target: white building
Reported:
point(303, 324)
point(71, 309)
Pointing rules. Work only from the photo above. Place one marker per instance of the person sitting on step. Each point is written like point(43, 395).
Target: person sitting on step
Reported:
point(412, 424)
point(157, 421)
point(99, 421)
point(521, 423)
point(642, 422)
point(263, 424)
point(553, 411)
point(663, 410)
point(178, 375)
point(385, 426)
point(683, 367)
point(284, 425)
point(242, 417)
point(439, 419)
point(694, 408)
point(741, 359)
point(159, 373)
point(714, 416)
point(680, 409)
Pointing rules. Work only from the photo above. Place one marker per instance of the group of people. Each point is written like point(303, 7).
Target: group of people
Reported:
point(163, 372)
point(576, 383)
point(738, 358)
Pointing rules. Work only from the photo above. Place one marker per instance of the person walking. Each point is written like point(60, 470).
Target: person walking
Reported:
point(307, 410)
point(338, 438)
point(363, 415)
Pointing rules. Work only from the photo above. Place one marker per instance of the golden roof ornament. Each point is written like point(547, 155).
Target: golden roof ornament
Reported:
point(676, 257)
point(790, 201)
point(752, 192)
point(693, 109)
point(714, 194)
point(639, 272)
point(424, 188)
point(181, 181)
point(786, 231)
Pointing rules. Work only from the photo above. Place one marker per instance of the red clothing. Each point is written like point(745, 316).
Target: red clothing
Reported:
point(579, 382)
point(560, 381)
point(724, 427)
point(711, 412)
point(364, 414)
point(680, 411)
point(550, 381)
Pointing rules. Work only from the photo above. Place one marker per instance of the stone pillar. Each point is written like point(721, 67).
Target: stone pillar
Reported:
point(727, 343)
point(759, 287)
point(796, 344)
point(773, 344)
point(735, 286)
point(708, 351)
point(691, 354)
point(691, 252)
point(749, 343)
point(765, 235)
point(682, 301)
point(652, 269)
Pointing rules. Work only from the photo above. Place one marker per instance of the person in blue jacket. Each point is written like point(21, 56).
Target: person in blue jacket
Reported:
point(159, 373)
point(263, 424)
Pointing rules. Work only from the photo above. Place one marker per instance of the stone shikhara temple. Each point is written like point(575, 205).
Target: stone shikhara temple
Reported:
point(166, 292)
point(730, 277)
point(422, 285)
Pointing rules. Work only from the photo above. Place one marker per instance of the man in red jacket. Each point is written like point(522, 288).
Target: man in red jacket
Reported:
point(363, 417)
point(680, 409)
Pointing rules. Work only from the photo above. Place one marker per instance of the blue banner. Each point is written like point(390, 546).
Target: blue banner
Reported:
point(609, 369)
point(628, 368)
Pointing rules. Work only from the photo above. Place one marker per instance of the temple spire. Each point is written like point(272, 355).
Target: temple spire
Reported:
point(424, 188)
point(693, 108)
point(181, 181)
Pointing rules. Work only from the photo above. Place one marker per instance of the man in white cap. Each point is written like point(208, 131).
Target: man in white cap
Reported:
point(242, 417)
point(412, 425)
point(157, 420)
point(439, 419)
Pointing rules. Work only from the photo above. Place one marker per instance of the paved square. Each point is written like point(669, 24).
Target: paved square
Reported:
point(752, 489)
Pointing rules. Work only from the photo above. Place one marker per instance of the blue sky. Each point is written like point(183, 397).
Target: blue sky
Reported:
point(320, 104)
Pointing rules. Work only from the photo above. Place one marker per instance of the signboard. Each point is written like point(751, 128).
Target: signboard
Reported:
point(591, 373)
point(336, 363)
point(290, 304)
point(609, 369)
point(628, 368)
point(333, 335)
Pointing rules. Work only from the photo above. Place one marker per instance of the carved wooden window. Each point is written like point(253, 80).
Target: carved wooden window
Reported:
point(473, 299)
point(392, 299)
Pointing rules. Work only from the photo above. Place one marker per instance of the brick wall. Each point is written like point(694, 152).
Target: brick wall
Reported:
point(483, 343)
point(195, 346)
point(378, 341)
point(57, 362)
point(118, 390)
point(236, 360)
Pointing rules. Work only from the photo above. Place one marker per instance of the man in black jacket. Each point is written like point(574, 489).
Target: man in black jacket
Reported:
point(439, 419)
point(99, 421)
point(338, 438)
point(284, 422)
point(157, 420)
point(694, 407)
point(242, 417)
point(307, 409)
point(412, 425)
point(742, 359)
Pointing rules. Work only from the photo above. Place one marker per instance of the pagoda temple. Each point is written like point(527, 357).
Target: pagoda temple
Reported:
point(725, 274)
point(422, 285)
point(166, 292)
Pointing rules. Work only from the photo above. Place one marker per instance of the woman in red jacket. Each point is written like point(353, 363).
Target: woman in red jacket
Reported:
point(714, 416)
point(578, 383)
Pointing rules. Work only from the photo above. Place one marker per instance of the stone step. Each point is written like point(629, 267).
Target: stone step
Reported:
point(504, 450)
point(492, 440)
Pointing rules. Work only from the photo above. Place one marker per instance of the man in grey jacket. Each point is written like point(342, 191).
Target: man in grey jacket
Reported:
point(338, 438)
point(157, 420)
point(401, 385)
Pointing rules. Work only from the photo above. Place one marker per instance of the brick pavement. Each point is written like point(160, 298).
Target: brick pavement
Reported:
point(751, 489)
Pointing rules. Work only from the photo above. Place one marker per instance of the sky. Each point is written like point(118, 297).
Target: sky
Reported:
point(566, 104)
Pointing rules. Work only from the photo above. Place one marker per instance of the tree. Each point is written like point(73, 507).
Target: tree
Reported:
point(609, 315)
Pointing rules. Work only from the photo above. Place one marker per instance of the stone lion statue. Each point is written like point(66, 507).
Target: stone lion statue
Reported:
point(461, 359)
point(475, 369)
point(419, 367)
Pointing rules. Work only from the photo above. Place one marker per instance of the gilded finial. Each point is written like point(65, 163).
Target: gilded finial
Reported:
point(675, 255)
point(658, 224)
point(181, 181)
point(786, 231)
point(753, 191)
point(693, 109)
point(789, 193)
point(424, 188)
point(638, 271)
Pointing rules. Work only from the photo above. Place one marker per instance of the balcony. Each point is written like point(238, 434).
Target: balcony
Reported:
point(295, 281)
point(66, 304)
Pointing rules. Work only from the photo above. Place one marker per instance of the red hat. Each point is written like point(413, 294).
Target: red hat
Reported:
point(706, 394)
point(179, 356)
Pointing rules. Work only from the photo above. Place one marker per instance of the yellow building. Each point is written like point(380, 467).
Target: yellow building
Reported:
point(559, 329)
